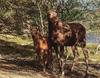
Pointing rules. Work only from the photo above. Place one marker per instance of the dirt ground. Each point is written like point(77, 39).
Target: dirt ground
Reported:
point(25, 68)
point(16, 62)
point(11, 68)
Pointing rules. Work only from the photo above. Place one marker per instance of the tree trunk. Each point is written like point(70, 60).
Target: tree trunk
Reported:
point(19, 22)
point(41, 18)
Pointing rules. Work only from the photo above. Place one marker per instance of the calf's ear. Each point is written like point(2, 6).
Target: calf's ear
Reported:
point(38, 29)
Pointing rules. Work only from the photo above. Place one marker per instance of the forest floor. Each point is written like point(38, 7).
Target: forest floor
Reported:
point(24, 68)
point(17, 61)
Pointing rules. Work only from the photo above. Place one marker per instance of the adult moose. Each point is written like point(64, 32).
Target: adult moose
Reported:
point(62, 34)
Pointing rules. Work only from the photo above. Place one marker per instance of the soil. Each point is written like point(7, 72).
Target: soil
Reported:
point(16, 62)
point(11, 67)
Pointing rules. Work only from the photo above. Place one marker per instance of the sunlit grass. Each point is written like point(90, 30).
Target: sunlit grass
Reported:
point(93, 57)
point(16, 39)
point(27, 41)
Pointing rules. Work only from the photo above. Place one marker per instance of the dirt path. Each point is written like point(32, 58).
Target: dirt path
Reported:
point(5, 74)
point(22, 68)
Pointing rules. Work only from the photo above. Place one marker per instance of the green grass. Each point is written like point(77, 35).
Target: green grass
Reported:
point(16, 45)
point(93, 57)
point(27, 41)
point(16, 39)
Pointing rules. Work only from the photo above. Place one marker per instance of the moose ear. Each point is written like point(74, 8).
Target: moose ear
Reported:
point(52, 10)
point(55, 10)
point(37, 28)
point(30, 27)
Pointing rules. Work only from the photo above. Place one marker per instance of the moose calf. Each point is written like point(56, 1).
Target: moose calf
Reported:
point(41, 47)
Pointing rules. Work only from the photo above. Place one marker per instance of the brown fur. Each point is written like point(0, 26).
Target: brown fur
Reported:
point(41, 46)
point(71, 33)
point(65, 34)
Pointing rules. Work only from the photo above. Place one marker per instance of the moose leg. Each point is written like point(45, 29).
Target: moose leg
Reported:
point(86, 56)
point(56, 51)
point(62, 60)
point(44, 64)
point(45, 61)
point(66, 53)
point(97, 49)
point(75, 53)
point(42, 59)
point(38, 57)
point(49, 59)
point(56, 58)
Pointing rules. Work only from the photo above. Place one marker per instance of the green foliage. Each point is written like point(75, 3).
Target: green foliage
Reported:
point(5, 7)
point(70, 10)
point(14, 14)
point(75, 15)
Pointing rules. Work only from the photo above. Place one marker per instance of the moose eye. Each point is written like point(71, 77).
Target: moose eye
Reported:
point(49, 14)
point(67, 30)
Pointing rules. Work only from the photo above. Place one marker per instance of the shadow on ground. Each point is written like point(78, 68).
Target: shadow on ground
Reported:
point(7, 48)
point(15, 58)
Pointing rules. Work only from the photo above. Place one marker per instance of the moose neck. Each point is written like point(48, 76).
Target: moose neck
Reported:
point(35, 37)
point(51, 23)
point(50, 27)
